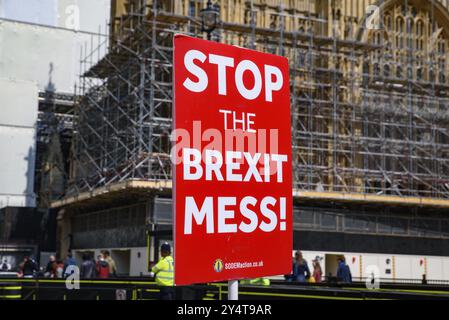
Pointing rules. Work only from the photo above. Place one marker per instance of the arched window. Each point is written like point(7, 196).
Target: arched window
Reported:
point(431, 75)
point(387, 71)
point(442, 70)
point(409, 42)
point(419, 32)
point(400, 32)
point(366, 68)
point(399, 72)
point(399, 25)
point(376, 70)
point(377, 38)
point(419, 44)
point(410, 25)
point(366, 72)
point(420, 28)
point(409, 33)
point(419, 68)
point(419, 73)
point(388, 23)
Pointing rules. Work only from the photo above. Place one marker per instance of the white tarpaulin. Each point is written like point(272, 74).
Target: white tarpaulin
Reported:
point(18, 115)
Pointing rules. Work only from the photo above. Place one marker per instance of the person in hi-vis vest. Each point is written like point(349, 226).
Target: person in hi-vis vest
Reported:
point(163, 272)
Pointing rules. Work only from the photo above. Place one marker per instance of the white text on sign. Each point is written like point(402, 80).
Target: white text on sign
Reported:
point(223, 63)
point(227, 209)
point(235, 164)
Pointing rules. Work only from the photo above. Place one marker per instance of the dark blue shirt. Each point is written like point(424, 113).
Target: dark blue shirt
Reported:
point(301, 271)
point(344, 273)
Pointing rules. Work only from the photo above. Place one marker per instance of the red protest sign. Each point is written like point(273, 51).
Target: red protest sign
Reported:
point(232, 163)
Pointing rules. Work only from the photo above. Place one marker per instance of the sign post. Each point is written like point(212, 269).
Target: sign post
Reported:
point(233, 290)
point(232, 178)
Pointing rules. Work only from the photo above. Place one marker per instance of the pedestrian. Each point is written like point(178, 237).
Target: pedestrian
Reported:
point(317, 271)
point(163, 272)
point(343, 271)
point(102, 267)
point(94, 262)
point(70, 261)
point(50, 270)
point(29, 267)
point(301, 271)
point(111, 263)
point(59, 269)
point(87, 267)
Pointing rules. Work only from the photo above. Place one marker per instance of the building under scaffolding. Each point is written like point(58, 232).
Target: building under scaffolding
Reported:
point(370, 122)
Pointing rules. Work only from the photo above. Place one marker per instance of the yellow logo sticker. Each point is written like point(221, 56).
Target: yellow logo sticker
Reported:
point(218, 265)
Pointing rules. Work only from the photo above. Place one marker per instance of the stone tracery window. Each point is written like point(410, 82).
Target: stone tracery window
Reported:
point(399, 72)
point(442, 69)
point(388, 23)
point(419, 33)
point(417, 48)
point(400, 32)
point(387, 71)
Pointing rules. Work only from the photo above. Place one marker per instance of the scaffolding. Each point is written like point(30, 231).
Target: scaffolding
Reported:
point(369, 112)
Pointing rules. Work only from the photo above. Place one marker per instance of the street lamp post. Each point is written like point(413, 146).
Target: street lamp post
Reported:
point(209, 18)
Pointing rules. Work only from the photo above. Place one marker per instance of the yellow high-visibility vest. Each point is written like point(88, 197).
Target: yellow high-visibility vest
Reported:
point(164, 271)
point(256, 281)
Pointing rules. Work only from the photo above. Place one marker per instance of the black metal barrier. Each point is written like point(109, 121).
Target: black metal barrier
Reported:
point(340, 292)
point(10, 291)
point(98, 289)
point(146, 289)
